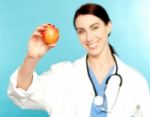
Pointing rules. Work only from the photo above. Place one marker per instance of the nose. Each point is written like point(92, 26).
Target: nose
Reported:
point(89, 37)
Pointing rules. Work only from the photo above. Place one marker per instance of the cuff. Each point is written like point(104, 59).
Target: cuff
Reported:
point(13, 90)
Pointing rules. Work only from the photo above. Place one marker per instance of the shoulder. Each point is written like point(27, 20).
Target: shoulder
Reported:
point(127, 70)
point(130, 74)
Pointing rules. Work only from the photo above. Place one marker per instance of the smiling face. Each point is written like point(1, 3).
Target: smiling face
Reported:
point(92, 33)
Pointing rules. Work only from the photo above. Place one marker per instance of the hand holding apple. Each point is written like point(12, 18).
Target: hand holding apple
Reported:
point(42, 40)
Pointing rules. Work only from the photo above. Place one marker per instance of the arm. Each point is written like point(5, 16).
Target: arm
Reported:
point(25, 89)
point(25, 73)
point(37, 48)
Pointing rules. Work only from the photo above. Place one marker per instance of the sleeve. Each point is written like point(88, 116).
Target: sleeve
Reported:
point(46, 89)
point(36, 96)
point(143, 98)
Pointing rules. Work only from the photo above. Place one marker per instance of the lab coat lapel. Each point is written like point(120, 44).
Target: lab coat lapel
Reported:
point(112, 89)
point(86, 95)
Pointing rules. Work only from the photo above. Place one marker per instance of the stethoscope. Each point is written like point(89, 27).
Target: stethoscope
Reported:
point(98, 100)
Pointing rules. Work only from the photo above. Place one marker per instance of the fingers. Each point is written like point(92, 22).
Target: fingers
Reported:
point(42, 27)
point(38, 33)
point(51, 45)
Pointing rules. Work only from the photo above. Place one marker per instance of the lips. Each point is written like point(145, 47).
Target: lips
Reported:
point(92, 45)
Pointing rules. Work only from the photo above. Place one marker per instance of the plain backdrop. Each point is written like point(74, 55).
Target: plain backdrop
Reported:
point(19, 18)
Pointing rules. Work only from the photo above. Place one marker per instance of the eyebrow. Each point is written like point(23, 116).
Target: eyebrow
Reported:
point(80, 28)
point(94, 24)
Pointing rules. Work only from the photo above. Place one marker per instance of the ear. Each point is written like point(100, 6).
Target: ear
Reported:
point(109, 28)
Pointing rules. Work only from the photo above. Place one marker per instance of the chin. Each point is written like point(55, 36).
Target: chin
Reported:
point(94, 54)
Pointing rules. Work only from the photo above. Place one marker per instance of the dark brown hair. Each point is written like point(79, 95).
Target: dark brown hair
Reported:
point(93, 9)
point(96, 10)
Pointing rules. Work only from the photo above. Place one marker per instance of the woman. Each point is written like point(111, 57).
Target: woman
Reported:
point(86, 87)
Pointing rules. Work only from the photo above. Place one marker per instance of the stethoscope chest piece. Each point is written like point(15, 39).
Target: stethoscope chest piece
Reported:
point(98, 100)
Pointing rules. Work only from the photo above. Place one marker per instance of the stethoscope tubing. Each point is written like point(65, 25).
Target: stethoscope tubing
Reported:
point(107, 82)
point(116, 73)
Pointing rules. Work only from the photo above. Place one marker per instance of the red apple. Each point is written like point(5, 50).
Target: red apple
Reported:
point(51, 35)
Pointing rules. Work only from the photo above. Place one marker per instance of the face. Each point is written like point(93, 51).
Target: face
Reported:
point(92, 33)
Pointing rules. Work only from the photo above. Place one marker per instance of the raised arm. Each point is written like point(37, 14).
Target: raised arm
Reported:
point(36, 49)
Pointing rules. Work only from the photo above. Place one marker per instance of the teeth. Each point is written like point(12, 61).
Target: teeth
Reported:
point(92, 45)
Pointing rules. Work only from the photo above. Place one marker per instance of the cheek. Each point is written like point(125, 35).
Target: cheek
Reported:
point(81, 38)
point(82, 41)
point(102, 34)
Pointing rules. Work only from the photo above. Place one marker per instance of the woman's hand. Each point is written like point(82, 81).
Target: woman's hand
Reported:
point(37, 47)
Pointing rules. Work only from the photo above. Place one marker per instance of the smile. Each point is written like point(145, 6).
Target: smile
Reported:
point(92, 46)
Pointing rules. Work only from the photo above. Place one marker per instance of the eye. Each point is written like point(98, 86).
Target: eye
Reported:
point(94, 27)
point(80, 32)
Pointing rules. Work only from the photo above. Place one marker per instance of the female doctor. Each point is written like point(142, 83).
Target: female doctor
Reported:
point(96, 85)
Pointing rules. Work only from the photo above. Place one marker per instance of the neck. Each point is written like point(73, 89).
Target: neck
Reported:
point(102, 62)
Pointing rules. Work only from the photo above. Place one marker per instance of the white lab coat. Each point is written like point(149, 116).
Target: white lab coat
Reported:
point(66, 91)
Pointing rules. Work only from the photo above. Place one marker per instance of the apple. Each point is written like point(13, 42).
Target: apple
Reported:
point(51, 34)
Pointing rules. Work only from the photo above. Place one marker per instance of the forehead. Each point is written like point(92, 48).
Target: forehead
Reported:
point(87, 20)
